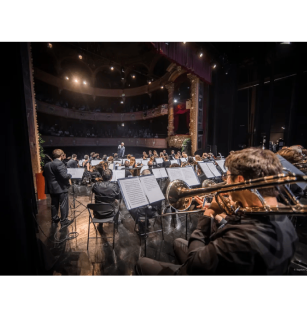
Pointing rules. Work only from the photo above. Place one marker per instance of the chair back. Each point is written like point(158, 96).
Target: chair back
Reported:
point(102, 210)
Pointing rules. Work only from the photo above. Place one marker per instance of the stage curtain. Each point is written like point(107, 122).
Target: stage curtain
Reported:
point(186, 57)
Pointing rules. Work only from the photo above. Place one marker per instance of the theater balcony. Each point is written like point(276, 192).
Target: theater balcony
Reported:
point(51, 141)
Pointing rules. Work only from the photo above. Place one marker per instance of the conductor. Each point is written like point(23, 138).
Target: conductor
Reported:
point(121, 150)
point(57, 184)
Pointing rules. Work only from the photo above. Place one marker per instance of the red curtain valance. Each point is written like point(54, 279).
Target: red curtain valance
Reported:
point(186, 57)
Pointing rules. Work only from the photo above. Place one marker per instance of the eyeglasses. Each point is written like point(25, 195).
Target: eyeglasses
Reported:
point(224, 176)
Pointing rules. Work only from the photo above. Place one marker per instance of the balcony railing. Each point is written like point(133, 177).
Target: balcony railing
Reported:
point(99, 116)
point(53, 141)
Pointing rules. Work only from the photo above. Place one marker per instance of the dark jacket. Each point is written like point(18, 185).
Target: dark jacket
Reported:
point(166, 164)
point(72, 164)
point(257, 245)
point(56, 177)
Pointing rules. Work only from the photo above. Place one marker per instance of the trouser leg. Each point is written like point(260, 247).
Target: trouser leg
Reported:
point(181, 249)
point(148, 266)
point(54, 206)
point(64, 207)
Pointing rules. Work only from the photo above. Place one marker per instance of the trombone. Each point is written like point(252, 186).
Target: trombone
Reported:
point(179, 194)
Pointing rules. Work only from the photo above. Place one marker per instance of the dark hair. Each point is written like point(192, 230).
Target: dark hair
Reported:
point(252, 163)
point(115, 155)
point(190, 160)
point(92, 154)
point(86, 157)
point(74, 156)
point(174, 165)
point(291, 155)
point(127, 163)
point(57, 153)
point(107, 175)
point(104, 157)
point(145, 172)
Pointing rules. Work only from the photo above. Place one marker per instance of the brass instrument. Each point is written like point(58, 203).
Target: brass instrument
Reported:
point(302, 165)
point(179, 194)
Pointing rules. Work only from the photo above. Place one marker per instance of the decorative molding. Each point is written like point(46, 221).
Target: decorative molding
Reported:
point(55, 141)
point(193, 111)
point(170, 88)
point(176, 141)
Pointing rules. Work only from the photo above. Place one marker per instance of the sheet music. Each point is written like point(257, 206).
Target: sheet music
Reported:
point(76, 173)
point(119, 167)
point(144, 167)
point(134, 195)
point(138, 160)
point(174, 174)
point(80, 162)
point(206, 170)
point(118, 174)
point(213, 169)
point(159, 173)
point(159, 160)
point(221, 163)
point(183, 159)
point(189, 176)
point(174, 161)
point(111, 166)
point(151, 188)
point(95, 162)
point(145, 162)
point(286, 164)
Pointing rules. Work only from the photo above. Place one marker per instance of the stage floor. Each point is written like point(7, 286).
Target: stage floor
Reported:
point(72, 258)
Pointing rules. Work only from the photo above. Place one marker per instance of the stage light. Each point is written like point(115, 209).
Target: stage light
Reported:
point(121, 102)
point(123, 78)
point(214, 66)
point(133, 76)
point(226, 73)
point(175, 101)
point(66, 78)
point(112, 68)
point(123, 124)
point(149, 82)
point(201, 55)
point(84, 82)
point(161, 86)
point(80, 56)
point(76, 81)
point(50, 45)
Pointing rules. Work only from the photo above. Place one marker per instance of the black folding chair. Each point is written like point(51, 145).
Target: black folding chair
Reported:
point(109, 214)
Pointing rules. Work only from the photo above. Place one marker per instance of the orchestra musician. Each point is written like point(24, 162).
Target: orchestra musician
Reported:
point(86, 163)
point(246, 244)
point(73, 163)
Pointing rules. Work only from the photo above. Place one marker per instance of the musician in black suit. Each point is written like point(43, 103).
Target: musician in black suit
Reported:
point(57, 184)
point(127, 171)
point(73, 163)
point(166, 163)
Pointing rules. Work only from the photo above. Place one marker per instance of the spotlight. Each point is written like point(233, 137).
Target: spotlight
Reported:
point(161, 86)
point(80, 56)
point(133, 76)
point(175, 101)
point(66, 78)
point(76, 81)
point(50, 45)
point(226, 73)
point(214, 66)
point(149, 82)
point(84, 82)
point(123, 124)
point(201, 55)
point(112, 68)
point(121, 102)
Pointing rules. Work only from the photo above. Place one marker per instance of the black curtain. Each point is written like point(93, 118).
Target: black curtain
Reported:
point(20, 247)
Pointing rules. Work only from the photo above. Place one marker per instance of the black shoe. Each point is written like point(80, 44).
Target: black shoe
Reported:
point(66, 223)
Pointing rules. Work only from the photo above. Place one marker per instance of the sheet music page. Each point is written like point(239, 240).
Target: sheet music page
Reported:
point(134, 195)
point(144, 167)
point(120, 174)
point(183, 159)
point(111, 166)
point(174, 174)
point(138, 160)
point(286, 164)
point(156, 173)
point(174, 161)
point(144, 162)
point(163, 173)
point(159, 160)
point(95, 162)
point(221, 163)
point(151, 188)
point(213, 169)
point(189, 176)
point(206, 170)
point(76, 173)
point(80, 162)
point(119, 167)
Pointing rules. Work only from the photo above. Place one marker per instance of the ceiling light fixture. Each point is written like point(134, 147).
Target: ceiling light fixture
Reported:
point(201, 55)
point(80, 56)
point(133, 76)
point(112, 68)
point(66, 78)
point(84, 82)
point(161, 86)
point(76, 81)
point(175, 101)
point(214, 66)
point(121, 102)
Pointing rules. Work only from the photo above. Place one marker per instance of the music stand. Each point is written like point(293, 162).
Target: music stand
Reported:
point(77, 174)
